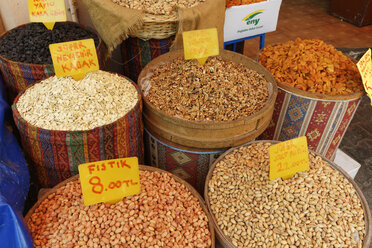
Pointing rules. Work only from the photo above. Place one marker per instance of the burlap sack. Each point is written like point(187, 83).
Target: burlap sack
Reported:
point(114, 22)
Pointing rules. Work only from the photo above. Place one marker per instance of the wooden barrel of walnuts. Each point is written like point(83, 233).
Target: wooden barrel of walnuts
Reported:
point(320, 207)
point(215, 119)
point(64, 123)
point(168, 212)
point(319, 90)
point(185, 133)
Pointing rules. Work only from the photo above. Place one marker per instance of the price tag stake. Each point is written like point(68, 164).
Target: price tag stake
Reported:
point(200, 44)
point(74, 58)
point(47, 11)
point(109, 180)
point(288, 157)
point(365, 68)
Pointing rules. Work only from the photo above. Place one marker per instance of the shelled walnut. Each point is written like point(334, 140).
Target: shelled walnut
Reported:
point(220, 90)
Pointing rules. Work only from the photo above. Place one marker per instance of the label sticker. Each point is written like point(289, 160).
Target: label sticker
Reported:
point(365, 68)
point(200, 44)
point(109, 180)
point(288, 157)
point(47, 11)
point(74, 58)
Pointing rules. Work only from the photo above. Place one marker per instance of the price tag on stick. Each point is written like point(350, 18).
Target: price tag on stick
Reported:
point(47, 11)
point(74, 58)
point(109, 180)
point(365, 68)
point(200, 44)
point(289, 157)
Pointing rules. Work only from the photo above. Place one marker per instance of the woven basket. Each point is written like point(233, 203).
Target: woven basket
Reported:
point(18, 76)
point(207, 134)
point(55, 155)
point(157, 27)
point(225, 241)
point(142, 168)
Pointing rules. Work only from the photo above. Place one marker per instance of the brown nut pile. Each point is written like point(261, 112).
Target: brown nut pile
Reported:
point(164, 214)
point(65, 104)
point(158, 7)
point(315, 208)
point(220, 90)
point(313, 66)
point(230, 3)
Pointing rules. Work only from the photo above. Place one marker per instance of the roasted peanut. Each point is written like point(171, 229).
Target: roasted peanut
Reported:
point(164, 214)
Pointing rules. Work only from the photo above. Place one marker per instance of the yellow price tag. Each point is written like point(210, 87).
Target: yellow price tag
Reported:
point(200, 44)
point(109, 180)
point(365, 68)
point(74, 58)
point(289, 157)
point(47, 11)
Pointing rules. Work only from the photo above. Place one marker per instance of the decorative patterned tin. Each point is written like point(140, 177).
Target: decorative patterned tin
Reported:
point(323, 122)
point(137, 53)
point(18, 76)
point(190, 165)
point(55, 155)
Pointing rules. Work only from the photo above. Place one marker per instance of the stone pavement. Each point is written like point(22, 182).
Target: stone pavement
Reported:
point(357, 143)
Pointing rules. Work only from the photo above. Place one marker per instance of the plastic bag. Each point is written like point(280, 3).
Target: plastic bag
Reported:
point(14, 184)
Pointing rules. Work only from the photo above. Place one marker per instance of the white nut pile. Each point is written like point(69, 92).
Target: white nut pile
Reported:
point(157, 7)
point(164, 214)
point(65, 104)
point(315, 208)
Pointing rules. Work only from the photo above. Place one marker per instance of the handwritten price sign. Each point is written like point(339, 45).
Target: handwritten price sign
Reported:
point(74, 58)
point(109, 180)
point(289, 157)
point(200, 44)
point(365, 68)
point(47, 11)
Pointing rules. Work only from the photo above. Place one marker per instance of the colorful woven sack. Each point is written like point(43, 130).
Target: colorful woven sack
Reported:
point(56, 155)
point(137, 53)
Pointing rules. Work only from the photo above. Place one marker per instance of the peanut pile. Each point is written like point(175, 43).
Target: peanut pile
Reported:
point(219, 90)
point(313, 66)
point(315, 208)
point(65, 104)
point(158, 7)
point(164, 214)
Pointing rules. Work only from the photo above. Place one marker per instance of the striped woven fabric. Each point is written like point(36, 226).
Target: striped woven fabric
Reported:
point(56, 155)
point(18, 76)
point(137, 53)
point(191, 166)
point(323, 122)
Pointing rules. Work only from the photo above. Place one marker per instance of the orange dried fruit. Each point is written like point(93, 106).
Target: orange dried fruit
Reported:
point(312, 65)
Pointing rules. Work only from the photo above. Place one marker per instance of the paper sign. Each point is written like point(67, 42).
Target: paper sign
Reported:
point(74, 58)
point(289, 157)
point(47, 11)
point(109, 180)
point(365, 69)
point(200, 44)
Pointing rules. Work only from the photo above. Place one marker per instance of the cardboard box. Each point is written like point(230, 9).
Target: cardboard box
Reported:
point(347, 163)
point(252, 19)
